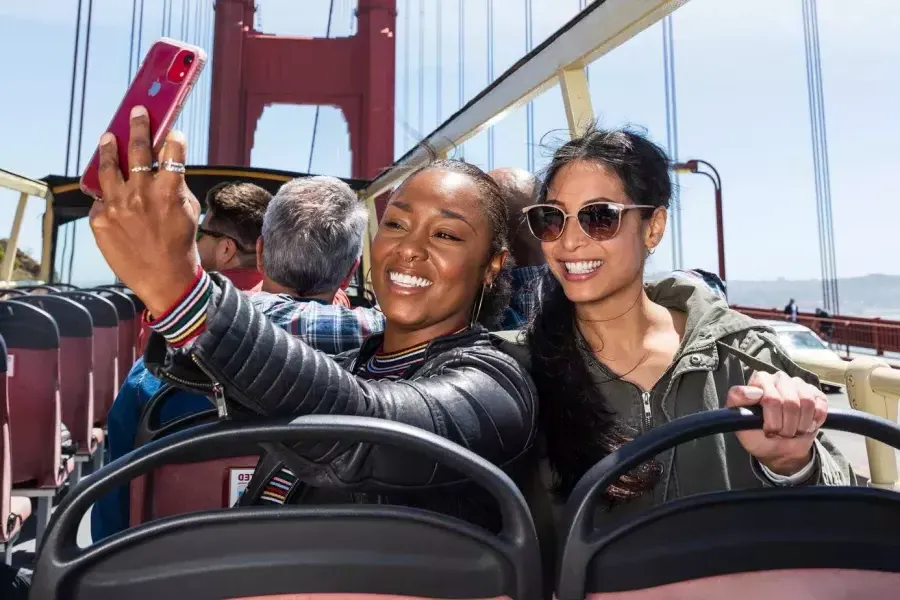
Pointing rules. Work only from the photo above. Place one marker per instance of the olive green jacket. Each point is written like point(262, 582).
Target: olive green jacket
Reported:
point(721, 348)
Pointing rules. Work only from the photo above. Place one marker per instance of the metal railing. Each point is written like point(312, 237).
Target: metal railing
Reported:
point(874, 387)
point(880, 335)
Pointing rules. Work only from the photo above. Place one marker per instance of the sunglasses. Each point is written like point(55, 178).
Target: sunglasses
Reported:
point(600, 221)
point(213, 234)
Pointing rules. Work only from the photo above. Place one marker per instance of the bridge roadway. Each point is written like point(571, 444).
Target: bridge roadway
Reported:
point(853, 447)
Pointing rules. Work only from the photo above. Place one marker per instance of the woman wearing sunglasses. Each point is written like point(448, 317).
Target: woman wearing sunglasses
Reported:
point(613, 357)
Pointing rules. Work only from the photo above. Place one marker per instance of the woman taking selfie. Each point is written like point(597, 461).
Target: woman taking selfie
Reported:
point(613, 357)
point(438, 273)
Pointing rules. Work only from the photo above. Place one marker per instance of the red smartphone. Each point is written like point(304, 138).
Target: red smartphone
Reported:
point(162, 84)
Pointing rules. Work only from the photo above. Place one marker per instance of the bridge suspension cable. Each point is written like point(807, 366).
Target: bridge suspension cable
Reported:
point(421, 82)
point(312, 145)
point(819, 140)
point(490, 77)
point(529, 108)
point(66, 231)
point(439, 91)
point(461, 49)
point(84, 75)
point(672, 136)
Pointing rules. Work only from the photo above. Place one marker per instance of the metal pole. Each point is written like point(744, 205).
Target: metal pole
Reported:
point(720, 220)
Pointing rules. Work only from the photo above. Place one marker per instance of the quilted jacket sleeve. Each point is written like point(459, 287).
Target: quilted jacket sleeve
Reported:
point(477, 397)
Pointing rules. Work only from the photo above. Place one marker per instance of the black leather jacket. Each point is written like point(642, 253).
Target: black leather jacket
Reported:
point(468, 391)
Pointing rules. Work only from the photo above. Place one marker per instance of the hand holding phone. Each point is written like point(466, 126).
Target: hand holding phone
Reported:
point(162, 85)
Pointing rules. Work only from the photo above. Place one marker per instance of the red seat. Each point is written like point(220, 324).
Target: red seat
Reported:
point(32, 341)
point(106, 349)
point(76, 361)
point(189, 487)
point(14, 510)
point(126, 328)
point(181, 488)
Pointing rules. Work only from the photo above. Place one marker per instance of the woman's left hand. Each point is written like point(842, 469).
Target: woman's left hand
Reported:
point(793, 411)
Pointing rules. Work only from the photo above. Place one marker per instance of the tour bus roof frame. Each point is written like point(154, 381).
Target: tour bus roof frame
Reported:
point(26, 187)
point(595, 31)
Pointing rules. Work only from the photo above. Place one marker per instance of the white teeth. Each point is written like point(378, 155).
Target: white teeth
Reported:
point(582, 267)
point(408, 280)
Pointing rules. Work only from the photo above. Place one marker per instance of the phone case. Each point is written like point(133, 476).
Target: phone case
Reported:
point(162, 98)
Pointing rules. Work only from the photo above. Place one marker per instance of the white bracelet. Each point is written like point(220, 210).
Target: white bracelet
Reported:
point(798, 477)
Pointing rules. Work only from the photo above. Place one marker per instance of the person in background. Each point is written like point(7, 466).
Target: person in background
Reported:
point(791, 310)
point(614, 357)
point(307, 246)
point(518, 187)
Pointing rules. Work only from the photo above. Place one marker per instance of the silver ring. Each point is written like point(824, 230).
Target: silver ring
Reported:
point(141, 169)
point(174, 167)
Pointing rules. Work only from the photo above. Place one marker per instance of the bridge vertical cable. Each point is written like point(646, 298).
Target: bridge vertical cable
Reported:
point(672, 137)
point(140, 35)
point(406, 89)
point(439, 90)
point(312, 145)
point(421, 133)
point(84, 75)
point(529, 108)
point(67, 230)
point(820, 157)
point(829, 220)
point(131, 43)
point(490, 78)
point(461, 49)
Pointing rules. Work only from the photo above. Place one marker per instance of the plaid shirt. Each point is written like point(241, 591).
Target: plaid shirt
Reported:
point(329, 328)
point(526, 290)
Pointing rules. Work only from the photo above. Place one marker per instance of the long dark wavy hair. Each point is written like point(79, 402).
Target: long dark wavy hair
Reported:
point(579, 426)
point(496, 297)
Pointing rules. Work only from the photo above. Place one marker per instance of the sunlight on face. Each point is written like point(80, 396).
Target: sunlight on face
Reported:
point(591, 270)
point(430, 253)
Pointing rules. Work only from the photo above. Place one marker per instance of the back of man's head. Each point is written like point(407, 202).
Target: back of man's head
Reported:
point(313, 235)
point(519, 189)
point(236, 209)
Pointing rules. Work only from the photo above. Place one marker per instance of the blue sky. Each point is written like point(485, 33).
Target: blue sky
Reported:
point(742, 105)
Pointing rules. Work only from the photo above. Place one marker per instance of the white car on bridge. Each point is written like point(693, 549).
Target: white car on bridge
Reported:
point(800, 341)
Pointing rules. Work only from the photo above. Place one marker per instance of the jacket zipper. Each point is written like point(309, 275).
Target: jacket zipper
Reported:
point(217, 389)
point(648, 415)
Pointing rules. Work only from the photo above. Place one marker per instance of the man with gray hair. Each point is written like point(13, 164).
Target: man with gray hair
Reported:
point(312, 238)
point(310, 247)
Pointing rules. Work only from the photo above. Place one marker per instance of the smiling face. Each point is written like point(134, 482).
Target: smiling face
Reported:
point(591, 271)
point(431, 254)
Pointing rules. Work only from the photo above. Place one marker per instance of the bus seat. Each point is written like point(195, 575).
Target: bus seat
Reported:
point(106, 349)
point(189, 487)
point(139, 308)
point(320, 552)
point(32, 341)
point(126, 327)
point(175, 489)
point(14, 510)
point(76, 362)
point(828, 543)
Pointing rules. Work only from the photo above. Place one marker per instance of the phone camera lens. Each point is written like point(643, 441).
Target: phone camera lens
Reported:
point(188, 59)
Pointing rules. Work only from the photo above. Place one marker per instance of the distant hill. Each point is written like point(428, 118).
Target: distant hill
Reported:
point(25, 267)
point(867, 296)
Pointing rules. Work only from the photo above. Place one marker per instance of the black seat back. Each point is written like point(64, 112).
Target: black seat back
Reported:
point(776, 543)
point(257, 551)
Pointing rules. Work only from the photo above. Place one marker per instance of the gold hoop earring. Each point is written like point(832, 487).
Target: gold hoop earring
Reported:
point(477, 309)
